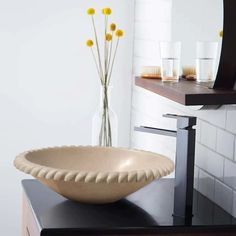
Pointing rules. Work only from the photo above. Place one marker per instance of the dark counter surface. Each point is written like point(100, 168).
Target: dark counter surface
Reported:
point(149, 210)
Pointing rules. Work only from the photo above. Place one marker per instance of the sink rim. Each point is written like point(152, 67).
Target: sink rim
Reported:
point(165, 167)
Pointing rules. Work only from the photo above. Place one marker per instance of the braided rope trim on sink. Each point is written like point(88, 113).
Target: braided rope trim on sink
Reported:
point(39, 171)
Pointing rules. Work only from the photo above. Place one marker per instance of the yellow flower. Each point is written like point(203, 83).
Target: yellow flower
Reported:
point(119, 33)
point(106, 11)
point(221, 33)
point(89, 43)
point(90, 11)
point(112, 27)
point(108, 37)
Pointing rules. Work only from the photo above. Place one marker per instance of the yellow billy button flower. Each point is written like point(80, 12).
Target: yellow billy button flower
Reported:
point(221, 33)
point(108, 37)
point(89, 43)
point(119, 33)
point(112, 26)
point(106, 11)
point(90, 11)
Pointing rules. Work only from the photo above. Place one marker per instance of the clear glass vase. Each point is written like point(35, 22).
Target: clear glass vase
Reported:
point(105, 122)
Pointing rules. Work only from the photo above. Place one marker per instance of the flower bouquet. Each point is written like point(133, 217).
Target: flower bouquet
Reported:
point(104, 58)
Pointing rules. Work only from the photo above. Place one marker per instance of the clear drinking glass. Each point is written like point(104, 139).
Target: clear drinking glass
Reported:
point(206, 53)
point(170, 61)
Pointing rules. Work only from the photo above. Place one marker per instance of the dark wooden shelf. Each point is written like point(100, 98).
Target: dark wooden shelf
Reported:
point(188, 93)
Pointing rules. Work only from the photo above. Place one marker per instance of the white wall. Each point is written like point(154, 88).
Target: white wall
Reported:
point(215, 169)
point(49, 86)
point(150, 28)
point(152, 24)
point(193, 21)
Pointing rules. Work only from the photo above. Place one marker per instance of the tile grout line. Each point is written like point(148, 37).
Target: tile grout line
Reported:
point(218, 127)
point(215, 151)
point(216, 178)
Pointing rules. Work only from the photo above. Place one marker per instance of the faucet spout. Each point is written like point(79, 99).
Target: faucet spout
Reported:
point(152, 130)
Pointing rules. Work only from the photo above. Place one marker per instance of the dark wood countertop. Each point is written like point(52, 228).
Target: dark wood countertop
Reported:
point(148, 211)
point(188, 92)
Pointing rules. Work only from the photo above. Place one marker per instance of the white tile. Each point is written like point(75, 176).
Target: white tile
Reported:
point(231, 117)
point(235, 149)
point(147, 49)
point(225, 143)
point(223, 196)
point(215, 117)
point(146, 102)
point(198, 130)
point(230, 173)
point(196, 177)
point(206, 185)
point(208, 135)
point(157, 143)
point(234, 205)
point(152, 30)
point(210, 161)
point(138, 62)
point(147, 10)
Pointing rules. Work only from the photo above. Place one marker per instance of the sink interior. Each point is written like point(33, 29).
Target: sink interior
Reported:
point(93, 159)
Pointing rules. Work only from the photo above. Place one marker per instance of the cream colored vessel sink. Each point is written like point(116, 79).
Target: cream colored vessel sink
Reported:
point(93, 174)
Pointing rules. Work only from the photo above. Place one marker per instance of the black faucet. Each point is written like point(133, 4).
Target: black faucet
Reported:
point(184, 163)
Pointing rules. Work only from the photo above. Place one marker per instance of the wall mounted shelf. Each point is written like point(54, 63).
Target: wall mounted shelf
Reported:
point(188, 93)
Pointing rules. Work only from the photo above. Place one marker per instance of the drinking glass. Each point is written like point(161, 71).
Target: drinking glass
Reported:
point(170, 61)
point(206, 53)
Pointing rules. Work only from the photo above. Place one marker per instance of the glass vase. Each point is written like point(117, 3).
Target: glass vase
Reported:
point(105, 123)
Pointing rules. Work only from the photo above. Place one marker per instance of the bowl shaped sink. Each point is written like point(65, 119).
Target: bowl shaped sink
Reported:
point(93, 174)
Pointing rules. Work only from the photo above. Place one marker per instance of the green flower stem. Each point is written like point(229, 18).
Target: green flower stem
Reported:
point(106, 52)
point(98, 51)
point(96, 63)
point(105, 135)
point(110, 53)
point(110, 72)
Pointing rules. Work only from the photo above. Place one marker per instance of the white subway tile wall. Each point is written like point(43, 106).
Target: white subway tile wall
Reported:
point(224, 196)
point(206, 184)
point(210, 161)
point(196, 177)
point(208, 137)
point(230, 174)
point(215, 165)
point(231, 118)
point(225, 143)
point(235, 149)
